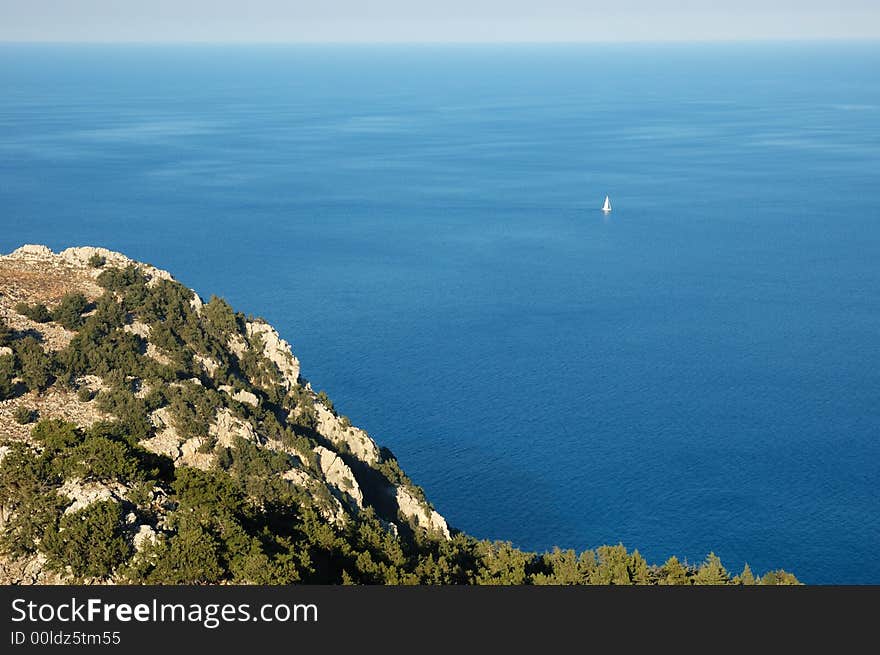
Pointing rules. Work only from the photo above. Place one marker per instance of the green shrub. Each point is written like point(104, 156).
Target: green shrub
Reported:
point(84, 394)
point(100, 458)
point(89, 541)
point(779, 577)
point(6, 333)
point(324, 399)
point(69, 311)
point(34, 363)
point(97, 261)
point(27, 499)
point(711, 572)
point(305, 417)
point(225, 458)
point(674, 572)
point(208, 445)
point(207, 495)
point(38, 313)
point(56, 435)
point(191, 557)
point(120, 279)
point(24, 415)
point(100, 350)
point(192, 408)
point(220, 317)
point(141, 493)
point(7, 376)
point(130, 411)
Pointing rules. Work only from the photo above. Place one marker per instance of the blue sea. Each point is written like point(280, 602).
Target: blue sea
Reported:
point(698, 370)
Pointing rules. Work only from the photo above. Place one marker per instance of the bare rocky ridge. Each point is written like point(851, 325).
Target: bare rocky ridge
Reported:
point(339, 472)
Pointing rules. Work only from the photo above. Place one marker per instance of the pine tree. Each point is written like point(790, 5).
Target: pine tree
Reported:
point(7, 376)
point(673, 573)
point(779, 577)
point(746, 577)
point(638, 569)
point(5, 333)
point(35, 364)
point(712, 572)
point(69, 311)
point(613, 566)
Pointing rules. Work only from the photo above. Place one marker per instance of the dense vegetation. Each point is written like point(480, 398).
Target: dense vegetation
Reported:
point(239, 521)
point(242, 523)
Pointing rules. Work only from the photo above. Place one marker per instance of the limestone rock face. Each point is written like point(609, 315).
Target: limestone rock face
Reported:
point(191, 455)
point(82, 254)
point(207, 364)
point(241, 395)
point(356, 441)
point(84, 494)
point(79, 257)
point(27, 571)
point(53, 403)
point(166, 441)
point(339, 475)
point(31, 251)
point(414, 509)
point(140, 329)
point(276, 350)
point(247, 398)
point(227, 427)
point(331, 509)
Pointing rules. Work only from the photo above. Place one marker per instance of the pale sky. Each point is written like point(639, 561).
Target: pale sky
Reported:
point(439, 21)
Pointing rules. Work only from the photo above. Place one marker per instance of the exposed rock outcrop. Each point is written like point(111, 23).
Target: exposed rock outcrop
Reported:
point(241, 395)
point(276, 350)
point(337, 473)
point(166, 440)
point(227, 427)
point(261, 399)
point(192, 454)
point(413, 508)
point(346, 437)
point(84, 494)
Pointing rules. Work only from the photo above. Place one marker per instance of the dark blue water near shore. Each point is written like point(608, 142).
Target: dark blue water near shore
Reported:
point(699, 370)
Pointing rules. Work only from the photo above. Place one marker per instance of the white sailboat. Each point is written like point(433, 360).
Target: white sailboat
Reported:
point(607, 206)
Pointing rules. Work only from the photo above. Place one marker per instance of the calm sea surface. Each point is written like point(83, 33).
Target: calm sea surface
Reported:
point(698, 370)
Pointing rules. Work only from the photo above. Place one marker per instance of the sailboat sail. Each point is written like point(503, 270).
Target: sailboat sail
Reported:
point(607, 206)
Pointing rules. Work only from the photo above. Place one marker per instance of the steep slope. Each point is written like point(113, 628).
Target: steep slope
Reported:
point(226, 380)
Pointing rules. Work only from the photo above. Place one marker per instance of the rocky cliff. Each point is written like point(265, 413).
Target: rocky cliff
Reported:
point(236, 374)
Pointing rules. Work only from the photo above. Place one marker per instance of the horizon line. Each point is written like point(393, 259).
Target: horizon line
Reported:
point(206, 42)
